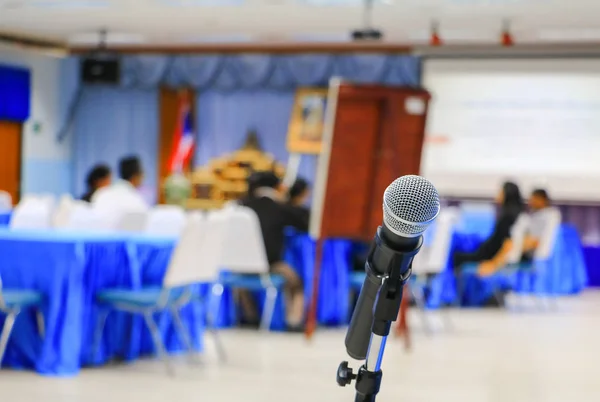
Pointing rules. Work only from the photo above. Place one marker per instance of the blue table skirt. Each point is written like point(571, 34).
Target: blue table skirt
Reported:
point(333, 300)
point(68, 269)
point(564, 273)
point(5, 218)
point(591, 255)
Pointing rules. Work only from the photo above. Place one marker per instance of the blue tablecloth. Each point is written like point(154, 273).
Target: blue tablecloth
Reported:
point(564, 273)
point(68, 268)
point(5, 218)
point(591, 255)
point(333, 302)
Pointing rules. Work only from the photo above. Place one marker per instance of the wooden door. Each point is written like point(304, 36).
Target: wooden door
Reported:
point(10, 159)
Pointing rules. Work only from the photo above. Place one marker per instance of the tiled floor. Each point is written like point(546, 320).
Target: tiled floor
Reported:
point(490, 356)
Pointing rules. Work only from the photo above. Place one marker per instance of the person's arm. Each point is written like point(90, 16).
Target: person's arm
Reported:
point(530, 243)
point(501, 237)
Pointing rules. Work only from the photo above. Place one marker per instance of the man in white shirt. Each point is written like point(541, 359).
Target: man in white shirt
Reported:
point(540, 205)
point(123, 196)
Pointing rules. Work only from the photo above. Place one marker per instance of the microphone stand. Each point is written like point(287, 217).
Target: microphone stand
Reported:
point(387, 307)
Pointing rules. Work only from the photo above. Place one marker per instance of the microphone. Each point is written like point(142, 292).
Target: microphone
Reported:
point(410, 204)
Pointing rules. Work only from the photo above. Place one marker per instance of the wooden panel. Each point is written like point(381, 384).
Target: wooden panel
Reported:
point(351, 167)
point(376, 139)
point(10, 158)
point(400, 147)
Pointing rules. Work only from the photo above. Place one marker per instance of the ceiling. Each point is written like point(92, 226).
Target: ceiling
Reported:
point(188, 22)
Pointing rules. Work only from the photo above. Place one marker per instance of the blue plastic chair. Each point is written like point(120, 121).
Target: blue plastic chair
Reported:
point(12, 302)
point(189, 266)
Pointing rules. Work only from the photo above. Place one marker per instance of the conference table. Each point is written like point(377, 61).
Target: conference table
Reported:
point(69, 268)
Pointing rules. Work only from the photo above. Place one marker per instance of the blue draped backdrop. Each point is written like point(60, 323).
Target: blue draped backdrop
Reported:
point(236, 93)
point(112, 122)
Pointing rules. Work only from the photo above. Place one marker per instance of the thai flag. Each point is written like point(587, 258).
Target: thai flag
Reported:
point(184, 139)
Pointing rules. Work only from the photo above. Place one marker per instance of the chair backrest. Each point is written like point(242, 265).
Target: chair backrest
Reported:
point(134, 221)
point(84, 217)
point(168, 220)
point(518, 233)
point(548, 238)
point(62, 213)
point(434, 255)
point(196, 256)
point(32, 213)
point(244, 248)
point(5, 201)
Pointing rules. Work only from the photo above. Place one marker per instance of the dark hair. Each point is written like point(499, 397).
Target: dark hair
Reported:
point(261, 179)
point(542, 193)
point(97, 173)
point(298, 188)
point(513, 202)
point(129, 167)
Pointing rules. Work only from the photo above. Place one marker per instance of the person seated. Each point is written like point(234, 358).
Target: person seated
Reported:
point(540, 206)
point(492, 254)
point(299, 193)
point(267, 200)
point(99, 177)
point(123, 196)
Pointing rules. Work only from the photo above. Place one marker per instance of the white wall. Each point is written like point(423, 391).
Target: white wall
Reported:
point(47, 162)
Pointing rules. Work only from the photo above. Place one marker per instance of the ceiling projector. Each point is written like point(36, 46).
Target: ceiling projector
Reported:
point(366, 34)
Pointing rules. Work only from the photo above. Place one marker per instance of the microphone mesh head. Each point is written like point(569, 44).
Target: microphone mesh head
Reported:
point(410, 204)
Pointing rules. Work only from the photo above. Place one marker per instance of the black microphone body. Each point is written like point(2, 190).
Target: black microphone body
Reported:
point(410, 204)
point(388, 251)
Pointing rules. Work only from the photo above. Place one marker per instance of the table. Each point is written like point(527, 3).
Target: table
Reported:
point(591, 255)
point(5, 218)
point(68, 268)
point(564, 273)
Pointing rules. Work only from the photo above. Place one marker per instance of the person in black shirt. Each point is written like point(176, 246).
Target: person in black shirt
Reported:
point(267, 200)
point(97, 178)
point(299, 193)
point(492, 252)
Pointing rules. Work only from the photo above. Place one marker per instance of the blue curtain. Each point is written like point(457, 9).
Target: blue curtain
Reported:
point(224, 119)
point(261, 71)
point(236, 93)
point(114, 122)
point(15, 93)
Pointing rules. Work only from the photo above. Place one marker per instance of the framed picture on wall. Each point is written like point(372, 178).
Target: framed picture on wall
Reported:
point(305, 131)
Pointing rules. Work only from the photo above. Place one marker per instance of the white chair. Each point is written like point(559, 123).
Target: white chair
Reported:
point(190, 264)
point(166, 220)
point(84, 217)
point(433, 258)
point(133, 222)
point(543, 253)
point(62, 214)
point(243, 253)
point(32, 213)
point(5, 201)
